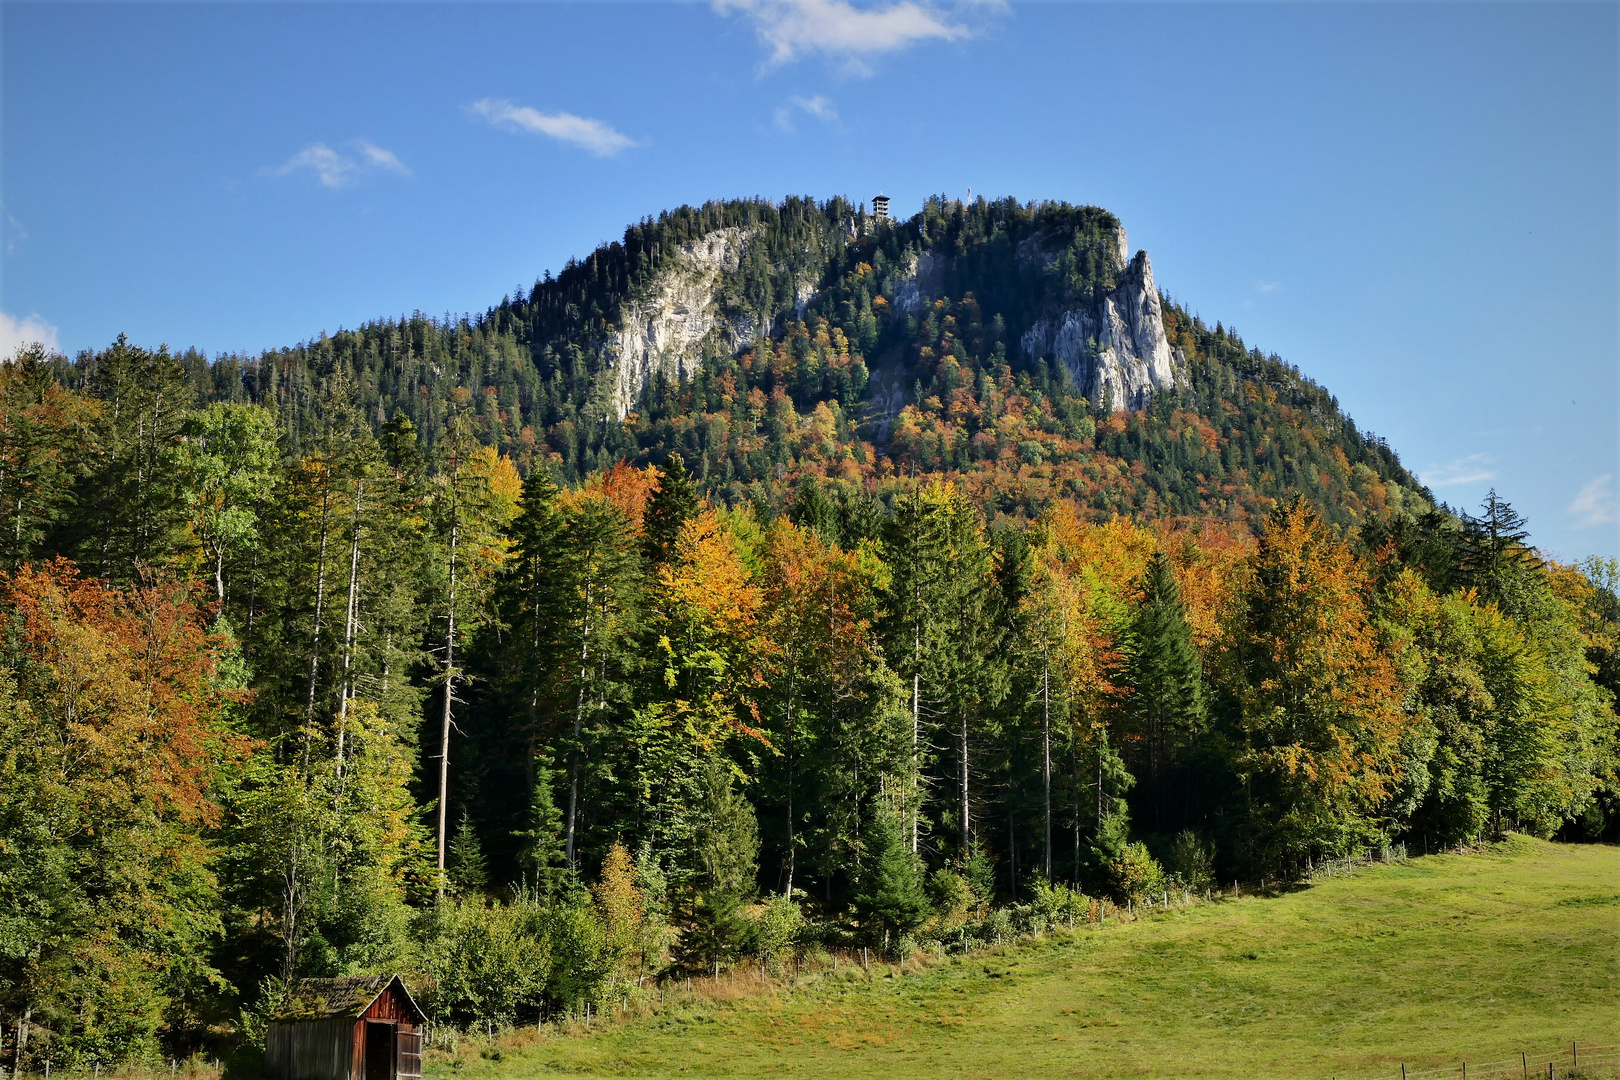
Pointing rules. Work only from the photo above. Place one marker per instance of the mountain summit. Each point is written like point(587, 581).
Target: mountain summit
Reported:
point(1018, 347)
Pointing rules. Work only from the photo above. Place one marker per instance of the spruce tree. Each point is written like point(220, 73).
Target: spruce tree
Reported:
point(671, 506)
point(465, 864)
point(1164, 674)
point(543, 852)
point(1496, 549)
point(727, 849)
point(890, 901)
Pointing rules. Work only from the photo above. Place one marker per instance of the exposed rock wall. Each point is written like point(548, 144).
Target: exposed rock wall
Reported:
point(665, 330)
point(1115, 348)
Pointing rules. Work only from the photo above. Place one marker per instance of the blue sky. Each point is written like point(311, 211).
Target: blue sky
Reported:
point(1416, 204)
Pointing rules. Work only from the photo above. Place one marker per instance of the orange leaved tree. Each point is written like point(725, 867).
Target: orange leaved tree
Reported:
point(113, 751)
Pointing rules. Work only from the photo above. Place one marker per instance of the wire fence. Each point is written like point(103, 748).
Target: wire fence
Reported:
point(1574, 1061)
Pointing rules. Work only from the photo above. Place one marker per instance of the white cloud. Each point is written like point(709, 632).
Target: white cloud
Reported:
point(593, 135)
point(16, 235)
point(1267, 286)
point(839, 30)
point(15, 333)
point(1464, 470)
point(338, 170)
point(380, 158)
point(1596, 503)
point(330, 167)
point(819, 107)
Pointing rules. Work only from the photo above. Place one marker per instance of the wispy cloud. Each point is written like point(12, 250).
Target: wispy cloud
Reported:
point(1267, 286)
point(1473, 469)
point(819, 107)
point(335, 169)
point(379, 158)
point(15, 333)
point(16, 235)
point(843, 32)
point(599, 138)
point(1596, 503)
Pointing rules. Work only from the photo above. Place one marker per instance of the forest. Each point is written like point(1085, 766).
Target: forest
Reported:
point(317, 664)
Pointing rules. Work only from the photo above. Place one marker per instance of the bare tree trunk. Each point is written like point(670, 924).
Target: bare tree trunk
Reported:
point(966, 838)
point(1046, 757)
point(350, 622)
point(916, 730)
point(449, 692)
point(320, 608)
point(579, 724)
point(793, 672)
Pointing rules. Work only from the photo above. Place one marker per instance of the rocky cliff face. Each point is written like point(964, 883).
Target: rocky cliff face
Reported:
point(1115, 348)
point(665, 330)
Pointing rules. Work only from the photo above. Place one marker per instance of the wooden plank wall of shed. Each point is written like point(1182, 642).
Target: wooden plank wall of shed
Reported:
point(388, 1006)
point(311, 1049)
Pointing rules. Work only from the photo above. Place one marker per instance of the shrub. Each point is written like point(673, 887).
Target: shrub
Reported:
point(484, 961)
point(952, 898)
point(777, 927)
point(1192, 862)
point(1135, 873)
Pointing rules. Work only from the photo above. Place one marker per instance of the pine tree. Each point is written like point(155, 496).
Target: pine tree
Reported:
point(890, 900)
point(672, 506)
point(132, 512)
point(727, 847)
point(1164, 674)
point(467, 870)
point(543, 853)
point(1496, 549)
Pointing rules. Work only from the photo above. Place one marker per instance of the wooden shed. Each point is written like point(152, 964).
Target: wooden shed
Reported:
point(366, 1028)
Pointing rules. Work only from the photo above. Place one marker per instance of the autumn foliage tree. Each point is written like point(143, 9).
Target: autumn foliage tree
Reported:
point(114, 749)
point(1317, 704)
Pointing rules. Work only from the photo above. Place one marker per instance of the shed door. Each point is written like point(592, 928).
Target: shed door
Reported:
point(410, 1055)
point(379, 1051)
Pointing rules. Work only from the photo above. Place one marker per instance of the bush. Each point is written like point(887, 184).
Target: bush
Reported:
point(484, 961)
point(1059, 905)
point(1135, 873)
point(952, 899)
point(1192, 862)
point(777, 928)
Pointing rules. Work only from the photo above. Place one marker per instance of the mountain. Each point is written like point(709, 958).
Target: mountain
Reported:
point(1020, 348)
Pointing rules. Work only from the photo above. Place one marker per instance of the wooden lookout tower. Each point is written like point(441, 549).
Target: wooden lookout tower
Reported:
point(365, 1028)
point(880, 207)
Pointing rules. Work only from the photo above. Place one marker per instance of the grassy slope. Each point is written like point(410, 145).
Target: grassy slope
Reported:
point(1428, 962)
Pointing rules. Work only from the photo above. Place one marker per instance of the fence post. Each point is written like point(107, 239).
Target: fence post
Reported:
point(1524, 1063)
point(1574, 1058)
point(1403, 1070)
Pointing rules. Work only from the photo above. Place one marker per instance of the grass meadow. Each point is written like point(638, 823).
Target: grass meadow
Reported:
point(1431, 962)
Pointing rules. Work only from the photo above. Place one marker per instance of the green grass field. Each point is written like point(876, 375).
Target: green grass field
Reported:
point(1431, 962)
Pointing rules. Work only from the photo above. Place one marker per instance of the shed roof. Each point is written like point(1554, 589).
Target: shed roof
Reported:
point(332, 999)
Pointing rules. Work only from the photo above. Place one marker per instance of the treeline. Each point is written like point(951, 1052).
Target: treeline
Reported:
point(276, 707)
point(831, 301)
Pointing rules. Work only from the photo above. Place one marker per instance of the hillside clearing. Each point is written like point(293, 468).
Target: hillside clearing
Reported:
point(1428, 962)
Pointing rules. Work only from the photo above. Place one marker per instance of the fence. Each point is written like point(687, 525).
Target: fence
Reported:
point(1574, 1061)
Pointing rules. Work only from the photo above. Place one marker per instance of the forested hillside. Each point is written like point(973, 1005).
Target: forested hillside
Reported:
point(421, 647)
point(825, 279)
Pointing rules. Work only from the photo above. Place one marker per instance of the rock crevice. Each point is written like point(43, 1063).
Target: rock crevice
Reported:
point(664, 330)
point(1115, 347)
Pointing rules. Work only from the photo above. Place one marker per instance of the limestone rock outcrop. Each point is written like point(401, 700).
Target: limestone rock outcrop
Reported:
point(664, 331)
point(1114, 348)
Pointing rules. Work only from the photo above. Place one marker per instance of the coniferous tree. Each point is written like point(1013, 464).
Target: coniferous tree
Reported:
point(466, 868)
point(1164, 674)
point(890, 900)
point(671, 506)
point(726, 843)
point(44, 431)
point(132, 507)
